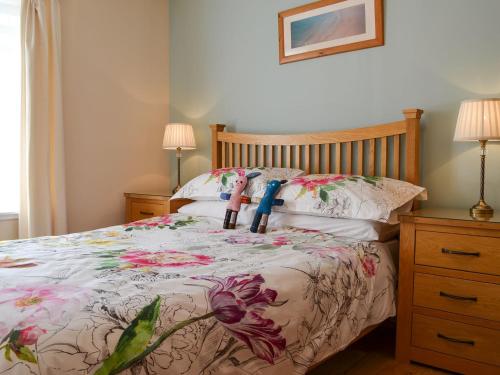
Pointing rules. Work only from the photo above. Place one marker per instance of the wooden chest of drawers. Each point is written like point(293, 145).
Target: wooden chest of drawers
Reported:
point(144, 206)
point(449, 291)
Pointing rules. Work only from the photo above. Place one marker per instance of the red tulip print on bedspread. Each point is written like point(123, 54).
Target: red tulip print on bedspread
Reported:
point(177, 294)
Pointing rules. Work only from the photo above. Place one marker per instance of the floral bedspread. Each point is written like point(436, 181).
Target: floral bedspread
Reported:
point(179, 295)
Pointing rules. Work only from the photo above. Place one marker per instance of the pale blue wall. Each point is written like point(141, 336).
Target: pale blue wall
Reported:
point(224, 68)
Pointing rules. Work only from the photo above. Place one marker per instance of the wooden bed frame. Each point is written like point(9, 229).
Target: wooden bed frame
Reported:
point(391, 149)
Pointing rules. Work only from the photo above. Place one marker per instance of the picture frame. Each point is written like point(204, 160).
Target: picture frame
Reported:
point(328, 27)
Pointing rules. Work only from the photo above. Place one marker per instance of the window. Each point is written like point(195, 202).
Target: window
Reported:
point(10, 104)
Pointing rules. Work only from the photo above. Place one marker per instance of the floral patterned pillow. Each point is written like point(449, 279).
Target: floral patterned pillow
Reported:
point(348, 196)
point(208, 186)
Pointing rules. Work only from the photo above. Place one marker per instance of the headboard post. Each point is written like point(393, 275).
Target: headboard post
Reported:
point(216, 145)
point(413, 116)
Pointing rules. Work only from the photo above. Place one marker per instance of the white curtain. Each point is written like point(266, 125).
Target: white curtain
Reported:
point(43, 196)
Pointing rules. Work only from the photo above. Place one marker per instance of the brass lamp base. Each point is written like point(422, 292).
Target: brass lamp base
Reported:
point(481, 211)
point(179, 155)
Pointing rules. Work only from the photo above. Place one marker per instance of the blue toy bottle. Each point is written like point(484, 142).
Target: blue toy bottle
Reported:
point(259, 223)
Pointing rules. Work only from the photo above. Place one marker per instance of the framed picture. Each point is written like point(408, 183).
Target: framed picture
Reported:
point(327, 27)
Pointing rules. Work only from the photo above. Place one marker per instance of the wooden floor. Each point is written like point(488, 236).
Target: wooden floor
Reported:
point(372, 355)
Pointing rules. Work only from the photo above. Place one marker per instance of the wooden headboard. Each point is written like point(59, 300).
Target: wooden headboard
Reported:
point(388, 150)
point(391, 150)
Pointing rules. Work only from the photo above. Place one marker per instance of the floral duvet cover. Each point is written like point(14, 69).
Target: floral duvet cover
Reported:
point(178, 295)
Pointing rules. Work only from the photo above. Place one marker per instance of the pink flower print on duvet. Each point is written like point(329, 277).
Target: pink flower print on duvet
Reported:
point(302, 230)
point(281, 241)
point(24, 306)
point(8, 262)
point(163, 258)
point(162, 220)
point(152, 223)
point(17, 342)
point(369, 266)
point(29, 335)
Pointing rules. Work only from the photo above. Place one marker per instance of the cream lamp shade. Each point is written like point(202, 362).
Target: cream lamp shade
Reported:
point(179, 136)
point(478, 120)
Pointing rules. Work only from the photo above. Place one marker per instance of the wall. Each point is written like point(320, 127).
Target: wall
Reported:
point(224, 68)
point(115, 91)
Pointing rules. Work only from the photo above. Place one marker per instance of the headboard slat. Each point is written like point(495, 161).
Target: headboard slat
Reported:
point(240, 156)
point(371, 162)
point(268, 150)
point(383, 157)
point(317, 162)
point(338, 157)
point(308, 159)
point(224, 164)
point(348, 153)
point(360, 158)
point(328, 165)
point(297, 157)
point(231, 154)
point(396, 156)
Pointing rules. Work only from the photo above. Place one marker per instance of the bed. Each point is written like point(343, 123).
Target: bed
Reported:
point(179, 295)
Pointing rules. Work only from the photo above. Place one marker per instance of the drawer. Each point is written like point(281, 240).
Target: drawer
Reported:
point(457, 339)
point(143, 210)
point(473, 298)
point(458, 251)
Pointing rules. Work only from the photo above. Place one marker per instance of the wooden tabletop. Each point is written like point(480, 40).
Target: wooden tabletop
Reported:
point(160, 195)
point(451, 214)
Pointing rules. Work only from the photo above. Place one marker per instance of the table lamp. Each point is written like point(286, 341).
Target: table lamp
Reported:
point(178, 137)
point(479, 120)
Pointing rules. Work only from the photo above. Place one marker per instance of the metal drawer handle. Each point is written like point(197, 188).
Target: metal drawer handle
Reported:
point(459, 252)
point(146, 213)
point(458, 341)
point(459, 298)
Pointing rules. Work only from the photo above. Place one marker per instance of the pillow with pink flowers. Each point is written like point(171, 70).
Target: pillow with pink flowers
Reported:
point(348, 196)
point(209, 186)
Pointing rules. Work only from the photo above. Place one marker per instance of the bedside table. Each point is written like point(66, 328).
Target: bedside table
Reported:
point(449, 291)
point(143, 206)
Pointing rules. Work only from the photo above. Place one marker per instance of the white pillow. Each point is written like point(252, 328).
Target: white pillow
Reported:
point(217, 209)
point(208, 186)
point(365, 230)
point(347, 196)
